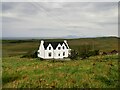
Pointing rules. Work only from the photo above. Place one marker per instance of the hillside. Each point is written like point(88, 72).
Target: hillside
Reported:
point(20, 47)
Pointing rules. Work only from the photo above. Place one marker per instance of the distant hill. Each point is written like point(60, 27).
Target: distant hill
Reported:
point(65, 37)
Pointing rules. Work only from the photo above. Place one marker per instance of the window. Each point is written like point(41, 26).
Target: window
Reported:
point(49, 48)
point(63, 47)
point(49, 54)
point(59, 54)
point(63, 53)
point(58, 48)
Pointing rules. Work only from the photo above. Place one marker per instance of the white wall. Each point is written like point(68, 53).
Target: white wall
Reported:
point(41, 52)
point(65, 50)
point(47, 51)
point(57, 52)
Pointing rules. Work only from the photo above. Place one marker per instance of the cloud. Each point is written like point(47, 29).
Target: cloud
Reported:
point(52, 19)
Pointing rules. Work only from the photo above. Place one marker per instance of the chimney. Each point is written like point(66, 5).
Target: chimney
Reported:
point(65, 41)
point(42, 41)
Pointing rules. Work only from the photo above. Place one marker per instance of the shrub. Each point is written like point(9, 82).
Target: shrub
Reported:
point(86, 54)
point(93, 52)
point(84, 51)
point(32, 54)
point(73, 55)
point(87, 50)
point(104, 53)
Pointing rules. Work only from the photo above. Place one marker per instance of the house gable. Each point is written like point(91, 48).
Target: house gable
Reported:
point(64, 46)
point(49, 47)
point(59, 47)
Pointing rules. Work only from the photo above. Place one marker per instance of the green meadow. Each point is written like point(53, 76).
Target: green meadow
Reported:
point(94, 72)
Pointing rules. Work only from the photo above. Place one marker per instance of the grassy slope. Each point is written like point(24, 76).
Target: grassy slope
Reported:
point(14, 47)
point(95, 72)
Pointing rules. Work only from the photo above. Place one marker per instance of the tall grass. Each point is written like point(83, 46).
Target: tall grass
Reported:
point(95, 72)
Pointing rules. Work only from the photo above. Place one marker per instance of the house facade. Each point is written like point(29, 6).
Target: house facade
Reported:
point(53, 50)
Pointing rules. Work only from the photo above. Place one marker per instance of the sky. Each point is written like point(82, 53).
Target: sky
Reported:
point(59, 19)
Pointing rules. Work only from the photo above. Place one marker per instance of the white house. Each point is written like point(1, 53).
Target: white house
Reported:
point(53, 50)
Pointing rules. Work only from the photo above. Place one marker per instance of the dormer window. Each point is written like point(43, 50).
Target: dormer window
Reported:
point(58, 48)
point(49, 48)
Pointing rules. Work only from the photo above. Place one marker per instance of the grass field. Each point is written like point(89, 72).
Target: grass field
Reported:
point(94, 72)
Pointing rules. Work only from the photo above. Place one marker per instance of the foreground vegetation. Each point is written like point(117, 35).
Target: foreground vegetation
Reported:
point(95, 72)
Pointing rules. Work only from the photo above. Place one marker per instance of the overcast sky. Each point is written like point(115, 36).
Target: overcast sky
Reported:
point(59, 19)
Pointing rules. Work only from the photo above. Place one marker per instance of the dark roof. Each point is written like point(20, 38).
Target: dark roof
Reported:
point(54, 44)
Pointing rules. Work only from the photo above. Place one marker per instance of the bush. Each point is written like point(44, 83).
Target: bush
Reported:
point(84, 55)
point(89, 53)
point(87, 50)
point(93, 52)
point(32, 54)
point(73, 55)
point(84, 51)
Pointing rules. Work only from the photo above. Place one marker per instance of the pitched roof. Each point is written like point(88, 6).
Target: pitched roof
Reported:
point(54, 44)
